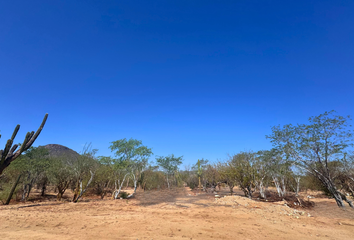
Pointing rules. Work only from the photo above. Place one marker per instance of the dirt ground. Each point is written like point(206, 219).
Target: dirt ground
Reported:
point(175, 214)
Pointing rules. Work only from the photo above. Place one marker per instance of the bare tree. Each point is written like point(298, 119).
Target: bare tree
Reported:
point(85, 164)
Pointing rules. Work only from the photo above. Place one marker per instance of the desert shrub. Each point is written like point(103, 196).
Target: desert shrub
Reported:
point(310, 182)
point(193, 184)
point(192, 181)
point(4, 192)
point(123, 195)
point(153, 180)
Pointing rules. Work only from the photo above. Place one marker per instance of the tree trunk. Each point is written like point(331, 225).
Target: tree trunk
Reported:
point(127, 184)
point(261, 189)
point(347, 200)
point(25, 190)
point(168, 183)
point(283, 186)
point(83, 191)
point(59, 196)
point(116, 192)
point(231, 187)
point(351, 190)
point(13, 190)
point(338, 199)
point(61, 189)
point(332, 189)
point(249, 188)
point(297, 186)
point(278, 186)
point(135, 182)
point(30, 185)
point(77, 189)
point(44, 186)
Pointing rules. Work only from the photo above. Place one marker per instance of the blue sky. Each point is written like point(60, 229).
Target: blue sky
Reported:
point(201, 79)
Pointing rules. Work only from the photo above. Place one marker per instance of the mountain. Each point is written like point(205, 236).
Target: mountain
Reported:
point(57, 150)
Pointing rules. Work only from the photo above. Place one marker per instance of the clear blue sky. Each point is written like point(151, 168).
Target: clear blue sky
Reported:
point(195, 78)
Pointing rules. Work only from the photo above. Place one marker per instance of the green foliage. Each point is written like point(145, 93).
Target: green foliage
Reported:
point(131, 149)
point(123, 195)
point(32, 165)
point(211, 175)
point(5, 190)
point(244, 171)
point(170, 163)
point(192, 181)
point(34, 162)
point(60, 173)
point(200, 166)
point(227, 174)
point(312, 147)
point(112, 168)
point(134, 154)
point(152, 179)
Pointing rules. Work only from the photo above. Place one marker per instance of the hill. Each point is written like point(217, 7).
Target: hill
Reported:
point(57, 150)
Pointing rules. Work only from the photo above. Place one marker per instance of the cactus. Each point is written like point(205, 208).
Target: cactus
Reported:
point(8, 154)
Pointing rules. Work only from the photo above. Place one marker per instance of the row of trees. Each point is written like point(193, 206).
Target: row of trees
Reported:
point(316, 155)
point(102, 175)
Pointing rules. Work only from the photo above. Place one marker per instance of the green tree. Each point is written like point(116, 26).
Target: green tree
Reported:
point(151, 178)
point(263, 166)
point(104, 176)
point(134, 153)
point(32, 166)
point(211, 176)
point(313, 146)
point(60, 173)
point(227, 175)
point(169, 164)
point(244, 171)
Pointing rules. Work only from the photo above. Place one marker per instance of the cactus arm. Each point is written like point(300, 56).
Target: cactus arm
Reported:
point(30, 138)
point(7, 155)
point(15, 132)
point(6, 151)
point(14, 147)
point(29, 144)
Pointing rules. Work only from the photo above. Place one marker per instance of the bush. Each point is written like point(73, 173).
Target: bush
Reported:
point(192, 182)
point(123, 195)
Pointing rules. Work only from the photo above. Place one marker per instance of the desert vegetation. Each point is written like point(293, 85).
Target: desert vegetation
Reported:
point(313, 156)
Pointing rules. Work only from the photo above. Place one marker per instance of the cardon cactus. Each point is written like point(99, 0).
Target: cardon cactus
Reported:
point(8, 154)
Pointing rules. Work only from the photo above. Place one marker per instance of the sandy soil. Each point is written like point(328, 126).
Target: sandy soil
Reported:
point(175, 214)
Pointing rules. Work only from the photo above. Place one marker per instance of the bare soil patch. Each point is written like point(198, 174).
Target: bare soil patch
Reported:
point(175, 214)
